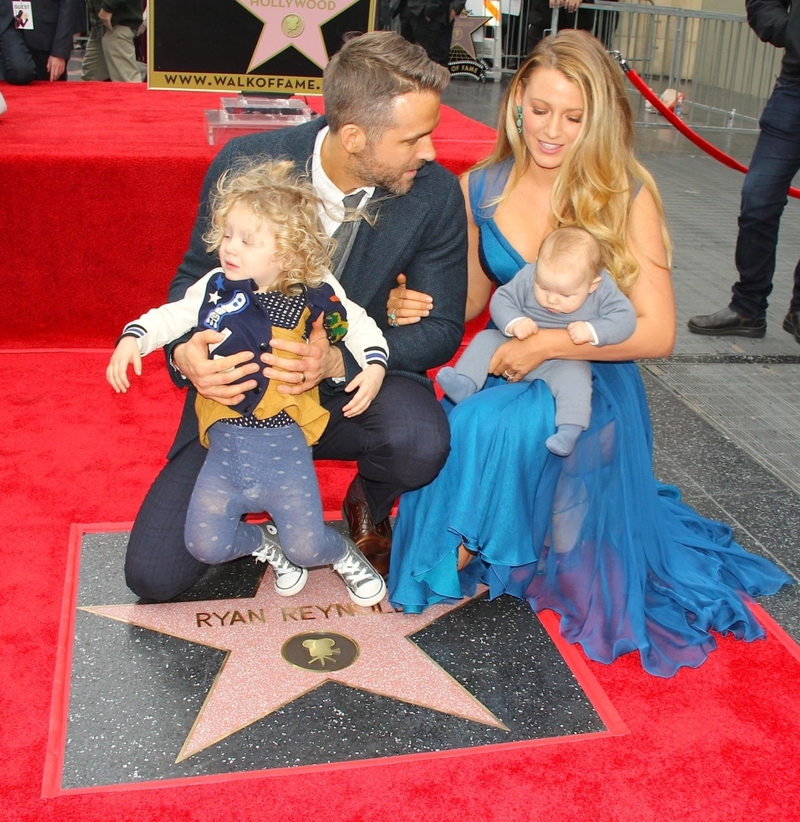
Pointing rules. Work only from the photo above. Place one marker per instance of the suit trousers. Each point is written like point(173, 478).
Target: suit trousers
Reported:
point(776, 160)
point(424, 32)
point(400, 443)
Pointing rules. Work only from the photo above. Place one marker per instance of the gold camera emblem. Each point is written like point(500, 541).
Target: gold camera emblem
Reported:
point(320, 651)
point(292, 25)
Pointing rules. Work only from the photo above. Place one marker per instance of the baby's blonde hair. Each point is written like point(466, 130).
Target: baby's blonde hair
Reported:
point(573, 245)
point(276, 194)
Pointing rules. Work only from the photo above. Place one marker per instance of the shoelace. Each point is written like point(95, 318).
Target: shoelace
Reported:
point(270, 553)
point(353, 570)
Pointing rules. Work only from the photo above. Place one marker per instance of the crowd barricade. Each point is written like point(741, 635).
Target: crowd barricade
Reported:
point(720, 73)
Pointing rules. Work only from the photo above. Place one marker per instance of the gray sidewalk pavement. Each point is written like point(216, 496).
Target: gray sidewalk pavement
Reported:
point(724, 409)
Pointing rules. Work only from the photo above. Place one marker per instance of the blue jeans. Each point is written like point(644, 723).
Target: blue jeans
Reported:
point(775, 162)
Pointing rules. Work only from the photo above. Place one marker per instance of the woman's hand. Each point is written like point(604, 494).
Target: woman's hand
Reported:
point(516, 358)
point(404, 306)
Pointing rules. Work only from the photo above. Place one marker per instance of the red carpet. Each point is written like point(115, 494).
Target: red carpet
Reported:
point(99, 184)
point(718, 743)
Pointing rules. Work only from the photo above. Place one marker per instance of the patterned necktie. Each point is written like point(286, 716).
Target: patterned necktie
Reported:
point(345, 234)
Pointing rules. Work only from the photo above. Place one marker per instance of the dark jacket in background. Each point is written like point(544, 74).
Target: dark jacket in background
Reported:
point(778, 22)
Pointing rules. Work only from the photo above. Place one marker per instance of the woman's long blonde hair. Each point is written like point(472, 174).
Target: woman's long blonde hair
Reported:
point(597, 181)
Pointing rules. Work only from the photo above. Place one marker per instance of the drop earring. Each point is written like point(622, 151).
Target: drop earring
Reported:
point(519, 120)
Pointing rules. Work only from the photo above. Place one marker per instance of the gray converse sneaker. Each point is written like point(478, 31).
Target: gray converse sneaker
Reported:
point(364, 584)
point(290, 579)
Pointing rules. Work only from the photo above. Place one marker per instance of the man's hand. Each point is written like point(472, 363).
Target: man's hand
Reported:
point(316, 361)
point(579, 332)
point(523, 328)
point(214, 379)
point(56, 66)
point(105, 18)
point(405, 307)
point(368, 383)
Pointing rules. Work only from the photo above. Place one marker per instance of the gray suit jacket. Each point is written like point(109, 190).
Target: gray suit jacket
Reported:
point(422, 234)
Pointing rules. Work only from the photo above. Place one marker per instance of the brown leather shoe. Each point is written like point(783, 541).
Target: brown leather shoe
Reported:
point(374, 540)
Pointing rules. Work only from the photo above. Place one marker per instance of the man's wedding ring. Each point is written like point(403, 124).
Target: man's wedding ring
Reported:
point(392, 319)
point(302, 377)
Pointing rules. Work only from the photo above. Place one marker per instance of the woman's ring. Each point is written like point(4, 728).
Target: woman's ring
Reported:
point(392, 319)
point(302, 377)
point(508, 376)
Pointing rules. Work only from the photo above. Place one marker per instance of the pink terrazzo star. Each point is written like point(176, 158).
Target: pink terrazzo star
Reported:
point(293, 23)
point(256, 679)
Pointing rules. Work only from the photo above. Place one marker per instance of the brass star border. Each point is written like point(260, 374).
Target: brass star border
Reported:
point(122, 711)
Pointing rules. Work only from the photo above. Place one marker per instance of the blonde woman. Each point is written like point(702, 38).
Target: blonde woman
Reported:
point(592, 536)
point(273, 283)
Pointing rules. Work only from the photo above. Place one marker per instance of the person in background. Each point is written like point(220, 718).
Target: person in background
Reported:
point(456, 7)
point(40, 50)
point(776, 160)
point(110, 50)
point(426, 22)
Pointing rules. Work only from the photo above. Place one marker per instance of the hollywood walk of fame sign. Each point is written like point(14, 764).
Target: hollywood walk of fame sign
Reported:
point(276, 653)
point(464, 62)
point(250, 46)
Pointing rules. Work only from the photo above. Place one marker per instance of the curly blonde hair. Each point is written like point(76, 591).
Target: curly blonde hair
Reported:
point(276, 194)
point(599, 178)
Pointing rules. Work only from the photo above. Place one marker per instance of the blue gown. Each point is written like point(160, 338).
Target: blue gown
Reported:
point(593, 536)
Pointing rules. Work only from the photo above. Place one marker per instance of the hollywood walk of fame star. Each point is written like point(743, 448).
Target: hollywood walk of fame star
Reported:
point(463, 29)
point(256, 678)
point(295, 23)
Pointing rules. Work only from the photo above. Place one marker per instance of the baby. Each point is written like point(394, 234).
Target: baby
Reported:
point(566, 287)
point(274, 283)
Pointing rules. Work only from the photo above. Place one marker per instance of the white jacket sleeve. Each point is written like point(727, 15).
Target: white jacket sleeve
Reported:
point(364, 340)
point(170, 321)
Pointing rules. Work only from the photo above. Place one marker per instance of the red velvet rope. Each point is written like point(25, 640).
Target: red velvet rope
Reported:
point(687, 132)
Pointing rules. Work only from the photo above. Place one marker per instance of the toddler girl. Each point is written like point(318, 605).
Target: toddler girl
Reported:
point(274, 282)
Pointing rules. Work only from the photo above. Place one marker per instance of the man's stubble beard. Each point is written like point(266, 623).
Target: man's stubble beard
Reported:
point(372, 173)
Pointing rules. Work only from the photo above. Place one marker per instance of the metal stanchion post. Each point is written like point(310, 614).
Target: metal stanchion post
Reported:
point(494, 9)
point(554, 19)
